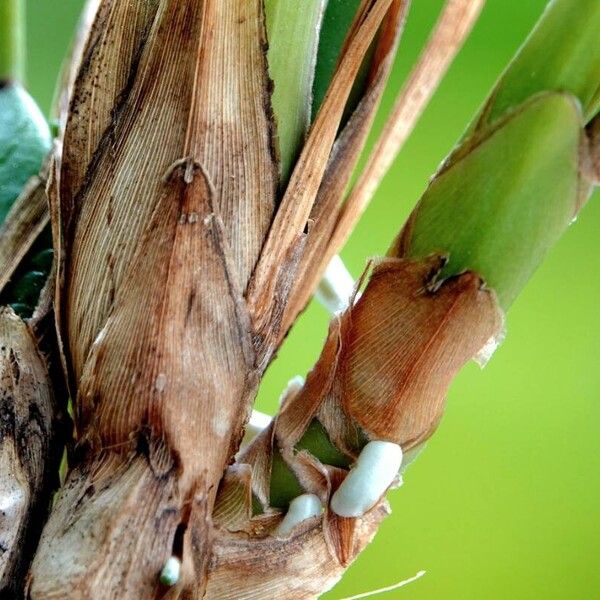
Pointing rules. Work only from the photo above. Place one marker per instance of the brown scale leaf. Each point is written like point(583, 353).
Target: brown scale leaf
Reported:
point(340, 532)
point(234, 507)
point(404, 344)
point(301, 567)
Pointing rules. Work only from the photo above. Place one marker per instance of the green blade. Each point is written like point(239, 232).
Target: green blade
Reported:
point(336, 24)
point(293, 31)
point(12, 40)
point(24, 141)
point(500, 207)
point(562, 54)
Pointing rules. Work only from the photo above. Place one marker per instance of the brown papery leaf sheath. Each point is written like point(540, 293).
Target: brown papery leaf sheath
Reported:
point(29, 452)
point(162, 202)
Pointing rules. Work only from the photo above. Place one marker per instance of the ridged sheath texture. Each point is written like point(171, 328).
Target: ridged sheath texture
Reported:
point(166, 189)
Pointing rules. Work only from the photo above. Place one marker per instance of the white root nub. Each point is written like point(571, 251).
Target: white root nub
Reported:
point(301, 508)
point(258, 422)
point(336, 287)
point(375, 470)
point(171, 572)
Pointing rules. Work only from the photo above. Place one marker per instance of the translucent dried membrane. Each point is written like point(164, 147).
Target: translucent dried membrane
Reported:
point(294, 385)
point(483, 357)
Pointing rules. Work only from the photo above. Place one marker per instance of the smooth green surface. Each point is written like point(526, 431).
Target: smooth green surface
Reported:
point(499, 209)
point(12, 40)
point(336, 22)
point(562, 54)
point(504, 501)
point(23, 291)
point(24, 141)
point(293, 31)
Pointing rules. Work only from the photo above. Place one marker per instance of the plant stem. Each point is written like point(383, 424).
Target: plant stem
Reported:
point(12, 40)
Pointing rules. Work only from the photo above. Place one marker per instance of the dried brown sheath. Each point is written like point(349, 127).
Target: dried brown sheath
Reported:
point(159, 238)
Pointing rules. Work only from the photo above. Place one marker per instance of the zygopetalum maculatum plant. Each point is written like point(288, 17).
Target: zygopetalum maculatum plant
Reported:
point(199, 190)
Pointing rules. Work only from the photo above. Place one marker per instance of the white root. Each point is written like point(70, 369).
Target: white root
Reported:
point(258, 422)
point(171, 572)
point(376, 469)
point(301, 508)
point(336, 287)
point(294, 385)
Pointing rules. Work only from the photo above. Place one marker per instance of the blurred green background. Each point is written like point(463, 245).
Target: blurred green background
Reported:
point(504, 501)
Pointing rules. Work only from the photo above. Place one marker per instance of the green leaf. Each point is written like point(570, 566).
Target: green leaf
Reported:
point(24, 141)
point(505, 201)
point(12, 40)
point(284, 483)
point(562, 54)
point(336, 24)
point(293, 32)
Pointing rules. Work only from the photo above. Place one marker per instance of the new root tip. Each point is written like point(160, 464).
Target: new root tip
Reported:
point(376, 468)
point(336, 288)
point(295, 384)
point(258, 422)
point(301, 508)
point(171, 572)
